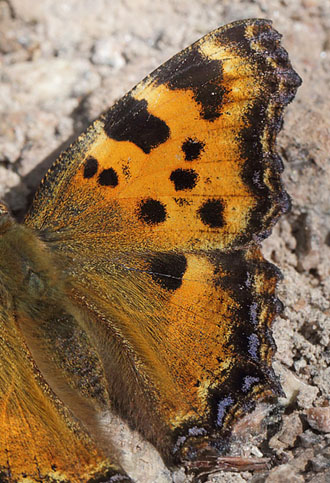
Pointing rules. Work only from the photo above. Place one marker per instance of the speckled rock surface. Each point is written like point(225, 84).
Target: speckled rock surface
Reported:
point(64, 62)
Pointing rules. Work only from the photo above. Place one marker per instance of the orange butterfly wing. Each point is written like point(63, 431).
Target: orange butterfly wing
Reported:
point(153, 217)
point(191, 146)
point(184, 338)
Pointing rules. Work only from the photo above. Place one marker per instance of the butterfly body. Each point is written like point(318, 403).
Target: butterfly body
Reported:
point(136, 284)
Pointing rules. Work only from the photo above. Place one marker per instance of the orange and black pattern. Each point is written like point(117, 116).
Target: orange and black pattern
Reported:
point(147, 291)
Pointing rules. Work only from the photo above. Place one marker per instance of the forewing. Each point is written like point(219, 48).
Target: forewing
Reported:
point(186, 160)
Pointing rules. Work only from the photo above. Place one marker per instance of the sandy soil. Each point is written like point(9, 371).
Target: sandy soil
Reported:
point(63, 62)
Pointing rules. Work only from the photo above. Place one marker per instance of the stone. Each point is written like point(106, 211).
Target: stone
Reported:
point(319, 419)
point(284, 474)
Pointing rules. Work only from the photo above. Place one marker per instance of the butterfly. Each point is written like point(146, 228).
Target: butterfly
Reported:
point(136, 283)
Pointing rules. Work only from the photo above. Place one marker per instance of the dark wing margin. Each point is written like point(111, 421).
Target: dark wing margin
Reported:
point(247, 281)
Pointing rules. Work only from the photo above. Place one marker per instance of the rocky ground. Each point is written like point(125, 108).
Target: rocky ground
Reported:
point(64, 62)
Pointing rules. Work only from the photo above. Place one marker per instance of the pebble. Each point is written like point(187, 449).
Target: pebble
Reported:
point(284, 474)
point(291, 429)
point(319, 419)
point(103, 52)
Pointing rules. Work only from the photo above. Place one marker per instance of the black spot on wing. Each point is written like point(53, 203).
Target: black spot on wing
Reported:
point(151, 211)
point(130, 120)
point(192, 70)
point(211, 213)
point(90, 167)
point(167, 269)
point(184, 179)
point(192, 149)
point(108, 177)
